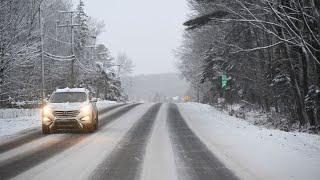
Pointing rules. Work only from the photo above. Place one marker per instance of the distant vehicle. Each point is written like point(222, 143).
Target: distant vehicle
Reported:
point(70, 108)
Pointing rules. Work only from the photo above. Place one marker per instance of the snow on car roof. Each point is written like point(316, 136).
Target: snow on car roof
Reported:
point(72, 90)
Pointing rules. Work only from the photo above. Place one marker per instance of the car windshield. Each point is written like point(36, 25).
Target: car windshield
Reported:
point(70, 97)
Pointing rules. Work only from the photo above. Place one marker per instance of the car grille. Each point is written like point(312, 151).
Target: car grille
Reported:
point(66, 124)
point(66, 114)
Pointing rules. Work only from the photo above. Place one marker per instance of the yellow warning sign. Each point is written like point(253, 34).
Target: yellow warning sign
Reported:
point(186, 98)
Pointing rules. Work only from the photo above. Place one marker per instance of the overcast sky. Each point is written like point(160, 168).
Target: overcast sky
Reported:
point(146, 30)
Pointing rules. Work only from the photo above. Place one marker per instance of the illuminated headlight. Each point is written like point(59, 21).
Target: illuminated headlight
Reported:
point(47, 114)
point(86, 110)
point(47, 111)
point(46, 119)
point(86, 118)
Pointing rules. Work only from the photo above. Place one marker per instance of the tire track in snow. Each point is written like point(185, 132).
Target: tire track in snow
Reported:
point(125, 161)
point(35, 134)
point(117, 114)
point(24, 161)
point(105, 110)
point(193, 159)
point(21, 140)
point(27, 160)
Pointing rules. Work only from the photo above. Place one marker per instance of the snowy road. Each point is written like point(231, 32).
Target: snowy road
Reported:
point(134, 141)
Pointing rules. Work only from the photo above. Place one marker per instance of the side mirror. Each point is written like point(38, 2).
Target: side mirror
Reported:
point(94, 100)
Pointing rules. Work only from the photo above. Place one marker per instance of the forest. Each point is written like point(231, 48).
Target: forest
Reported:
point(269, 50)
point(62, 34)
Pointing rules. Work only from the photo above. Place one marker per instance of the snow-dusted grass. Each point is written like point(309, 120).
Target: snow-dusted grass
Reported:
point(257, 116)
point(15, 113)
point(255, 152)
point(13, 121)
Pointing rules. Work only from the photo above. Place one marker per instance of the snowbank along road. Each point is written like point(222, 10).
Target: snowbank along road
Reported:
point(134, 141)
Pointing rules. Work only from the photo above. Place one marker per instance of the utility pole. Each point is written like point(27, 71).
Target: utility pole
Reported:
point(56, 26)
point(198, 93)
point(71, 25)
point(119, 68)
point(92, 47)
point(42, 58)
point(56, 38)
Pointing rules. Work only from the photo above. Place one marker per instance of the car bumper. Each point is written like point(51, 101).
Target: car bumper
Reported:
point(68, 123)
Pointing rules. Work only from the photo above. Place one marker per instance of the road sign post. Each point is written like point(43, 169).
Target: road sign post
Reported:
point(224, 80)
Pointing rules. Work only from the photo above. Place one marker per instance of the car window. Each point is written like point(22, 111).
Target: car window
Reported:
point(70, 97)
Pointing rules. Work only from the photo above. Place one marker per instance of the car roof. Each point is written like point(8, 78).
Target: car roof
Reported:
point(72, 90)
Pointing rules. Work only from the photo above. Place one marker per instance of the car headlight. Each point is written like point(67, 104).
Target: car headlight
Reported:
point(86, 110)
point(47, 111)
point(86, 118)
point(46, 119)
point(47, 115)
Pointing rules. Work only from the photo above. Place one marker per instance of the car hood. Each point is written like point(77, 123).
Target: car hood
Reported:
point(66, 106)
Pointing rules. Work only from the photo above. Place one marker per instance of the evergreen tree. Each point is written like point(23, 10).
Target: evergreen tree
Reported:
point(82, 32)
point(103, 56)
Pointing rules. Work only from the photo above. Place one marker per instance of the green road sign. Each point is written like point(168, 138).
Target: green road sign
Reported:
point(224, 80)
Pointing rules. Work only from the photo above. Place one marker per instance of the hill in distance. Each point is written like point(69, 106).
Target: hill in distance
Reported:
point(166, 87)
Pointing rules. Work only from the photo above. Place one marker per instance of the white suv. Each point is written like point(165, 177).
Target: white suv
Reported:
point(70, 108)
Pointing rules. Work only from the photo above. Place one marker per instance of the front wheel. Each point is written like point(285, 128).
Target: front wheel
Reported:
point(96, 125)
point(45, 129)
point(89, 128)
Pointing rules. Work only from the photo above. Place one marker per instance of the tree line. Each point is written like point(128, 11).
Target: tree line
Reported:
point(20, 50)
point(268, 49)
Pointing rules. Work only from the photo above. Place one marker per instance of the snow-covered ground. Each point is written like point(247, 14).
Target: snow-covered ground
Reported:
point(254, 152)
point(258, 117)
point(13, 121)
point(250, 151)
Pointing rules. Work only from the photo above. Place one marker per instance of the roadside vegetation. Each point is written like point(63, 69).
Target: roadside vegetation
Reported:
point(20, 51)
point(269, 50)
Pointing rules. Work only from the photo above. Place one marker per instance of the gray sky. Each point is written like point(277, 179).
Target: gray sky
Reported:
point(146, 30)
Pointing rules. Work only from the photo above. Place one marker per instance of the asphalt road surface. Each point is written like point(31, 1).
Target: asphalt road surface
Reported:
point(134, 141)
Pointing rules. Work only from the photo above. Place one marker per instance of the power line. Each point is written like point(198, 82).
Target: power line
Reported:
point(55, 39)
point(61, 57)
point(82, 66)
point(57, 59)
point(71, 25)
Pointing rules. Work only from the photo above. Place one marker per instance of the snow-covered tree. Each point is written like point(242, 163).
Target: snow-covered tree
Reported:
point(82, 33)
point(103, 56)
point(20, 65)
point(125, 64)
point(18, 45)
point(269, 51)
